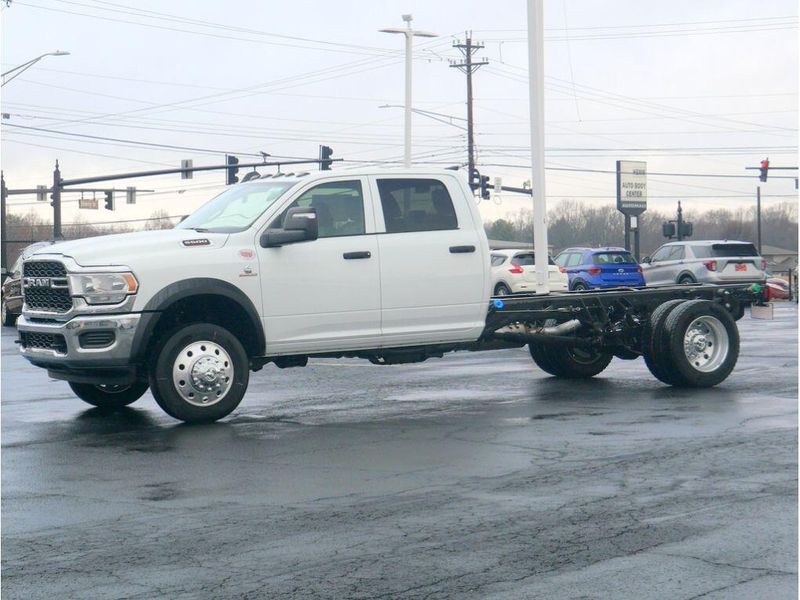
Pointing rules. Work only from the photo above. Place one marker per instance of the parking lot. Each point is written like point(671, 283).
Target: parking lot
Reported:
point(471, 476)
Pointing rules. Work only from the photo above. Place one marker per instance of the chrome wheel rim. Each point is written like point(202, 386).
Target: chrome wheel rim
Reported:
point(202, 373)
point(706, 344)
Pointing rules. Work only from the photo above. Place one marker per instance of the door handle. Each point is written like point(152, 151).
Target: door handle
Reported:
point(461, 249)
point(356, 255)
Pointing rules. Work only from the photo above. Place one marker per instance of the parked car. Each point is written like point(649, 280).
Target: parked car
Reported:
point(779, 288)
point(11, 301)
point(590, 268)
point(514, 271)
point(705, 261)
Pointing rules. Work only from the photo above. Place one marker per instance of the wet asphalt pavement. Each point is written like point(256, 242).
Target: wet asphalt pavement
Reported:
point(472, 476)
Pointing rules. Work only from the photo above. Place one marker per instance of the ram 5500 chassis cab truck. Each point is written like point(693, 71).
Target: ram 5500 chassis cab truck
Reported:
point(390, 266)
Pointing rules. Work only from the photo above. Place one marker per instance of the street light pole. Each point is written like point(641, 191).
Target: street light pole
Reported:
point(18, 70)
point(409, 34)
point(536, 100)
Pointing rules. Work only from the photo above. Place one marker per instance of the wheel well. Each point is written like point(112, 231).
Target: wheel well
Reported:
point(207, 308)
point(686, 275)
point(503, 283)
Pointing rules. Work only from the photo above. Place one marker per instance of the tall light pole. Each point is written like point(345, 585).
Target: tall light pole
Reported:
point(410, 34)
point(536, 100)
point(27, 65)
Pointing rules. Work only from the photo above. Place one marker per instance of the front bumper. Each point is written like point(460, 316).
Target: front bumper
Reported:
point(71, 361)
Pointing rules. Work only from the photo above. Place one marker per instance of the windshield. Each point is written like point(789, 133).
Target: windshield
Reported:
point(236, 208)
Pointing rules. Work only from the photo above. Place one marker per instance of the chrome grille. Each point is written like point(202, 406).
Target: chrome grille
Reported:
point(44, 341)
point(45, 287)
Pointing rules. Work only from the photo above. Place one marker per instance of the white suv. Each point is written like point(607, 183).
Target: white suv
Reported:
point(513, 271)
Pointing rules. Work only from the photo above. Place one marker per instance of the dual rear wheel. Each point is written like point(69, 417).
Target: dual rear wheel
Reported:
point(686, 343)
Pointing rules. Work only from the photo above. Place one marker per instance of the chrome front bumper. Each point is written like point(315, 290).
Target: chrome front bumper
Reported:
point(117, 353)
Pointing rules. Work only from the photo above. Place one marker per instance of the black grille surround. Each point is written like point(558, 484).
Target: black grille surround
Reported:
point(43, 341)
point(55, 296)
point(96, 339)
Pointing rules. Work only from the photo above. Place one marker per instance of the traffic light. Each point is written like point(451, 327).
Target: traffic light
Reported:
point(668, 229)
point(484, 184)
point(109, 201)
point(764, 169)
point(130, 195)
point(325, 153)
point(232, 169)
point(687, 229)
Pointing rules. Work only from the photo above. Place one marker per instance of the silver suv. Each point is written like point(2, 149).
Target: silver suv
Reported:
point(706, 261)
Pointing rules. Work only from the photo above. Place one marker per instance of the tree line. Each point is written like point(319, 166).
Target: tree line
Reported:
point(573, 223)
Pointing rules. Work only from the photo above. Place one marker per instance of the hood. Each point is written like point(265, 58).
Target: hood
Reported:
point(125, 248)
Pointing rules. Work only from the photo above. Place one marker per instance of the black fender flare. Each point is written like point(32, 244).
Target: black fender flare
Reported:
point(152, 311)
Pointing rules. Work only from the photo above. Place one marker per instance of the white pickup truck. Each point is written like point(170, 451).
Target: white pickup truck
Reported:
point(391, 266)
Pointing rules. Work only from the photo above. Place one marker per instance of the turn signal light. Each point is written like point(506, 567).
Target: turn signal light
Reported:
point(711, 265)
point(515, 268)
point(763, 264)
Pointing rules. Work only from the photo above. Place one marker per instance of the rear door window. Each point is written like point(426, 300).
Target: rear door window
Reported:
point(416, 205)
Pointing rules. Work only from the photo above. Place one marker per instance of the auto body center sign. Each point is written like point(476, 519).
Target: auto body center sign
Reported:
point(631, 187)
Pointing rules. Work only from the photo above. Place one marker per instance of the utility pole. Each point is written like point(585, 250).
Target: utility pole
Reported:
point(468, 66)
point(56, 196)
point(680, 222)
point(409, 34)
point(758, 217)
point(3, 239)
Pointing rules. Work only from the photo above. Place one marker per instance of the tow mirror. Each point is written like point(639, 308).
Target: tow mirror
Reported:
point(299, 225)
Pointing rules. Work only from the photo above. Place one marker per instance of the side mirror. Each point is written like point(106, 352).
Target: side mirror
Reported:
point(646, 260)
point(300, 225)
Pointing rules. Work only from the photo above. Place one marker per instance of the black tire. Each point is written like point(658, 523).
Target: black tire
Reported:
point(109, 396)
point(738, 312)
point(231, 387)
point(8, 318)
point(721, 356)
point(686, 280)
point(579, 286)
point(567, 362)
point(654, 343)
point(501, 289)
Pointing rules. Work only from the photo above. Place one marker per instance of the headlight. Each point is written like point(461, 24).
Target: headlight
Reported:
point(103, 288)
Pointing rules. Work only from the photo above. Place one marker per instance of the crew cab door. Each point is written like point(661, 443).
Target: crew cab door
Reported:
point(324, 294)
point(434, 264)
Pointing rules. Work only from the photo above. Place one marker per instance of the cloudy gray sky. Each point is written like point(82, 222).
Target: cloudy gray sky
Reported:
point(690, 87)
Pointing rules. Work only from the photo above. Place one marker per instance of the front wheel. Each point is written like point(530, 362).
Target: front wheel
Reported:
point(109, 395)
point(200, 374)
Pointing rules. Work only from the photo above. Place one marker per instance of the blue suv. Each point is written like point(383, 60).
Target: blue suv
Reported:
point(589, 268)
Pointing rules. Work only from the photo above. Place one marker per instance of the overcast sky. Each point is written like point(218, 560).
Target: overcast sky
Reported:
point(690, 87)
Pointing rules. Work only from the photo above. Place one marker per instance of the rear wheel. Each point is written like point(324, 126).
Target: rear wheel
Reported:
point(200, 374)
point(580, 286)
point(109, 396)
point(501, 289)
point(654, 342)
point(703, 343)
point(568, 362)
point(686, 280)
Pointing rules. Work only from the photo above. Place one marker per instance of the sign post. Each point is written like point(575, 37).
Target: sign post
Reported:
point(632, 198)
